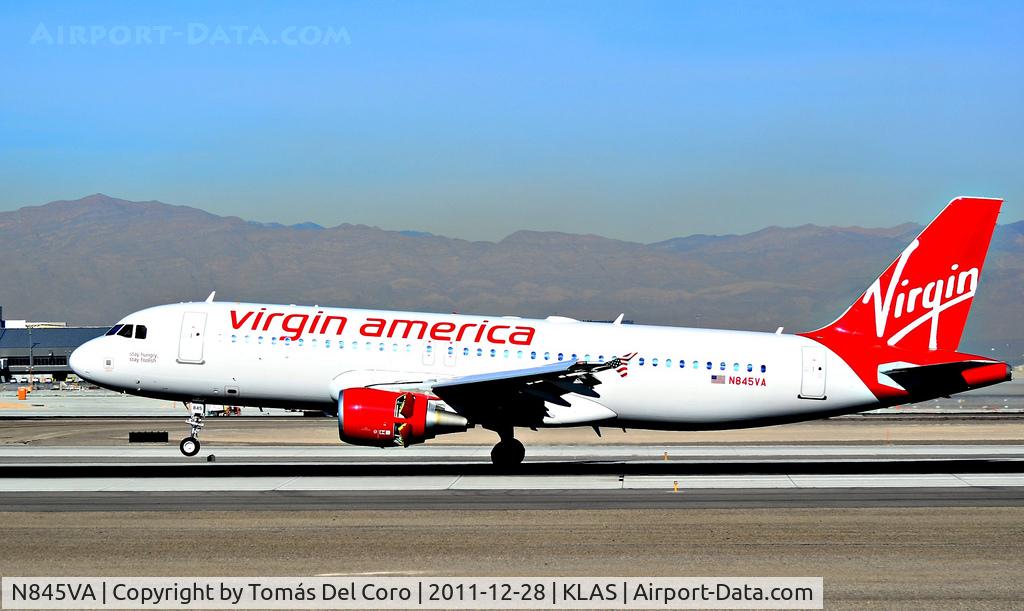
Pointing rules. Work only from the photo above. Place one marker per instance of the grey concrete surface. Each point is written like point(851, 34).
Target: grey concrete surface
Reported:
point(148, 454)
point(664, 483)
point(461, 500)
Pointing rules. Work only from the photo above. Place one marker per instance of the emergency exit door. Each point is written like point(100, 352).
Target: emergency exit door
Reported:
point(812, 383)
point(190, 343)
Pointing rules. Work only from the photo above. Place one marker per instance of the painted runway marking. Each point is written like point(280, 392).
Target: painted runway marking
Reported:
point(372, 574)
point(480, 483)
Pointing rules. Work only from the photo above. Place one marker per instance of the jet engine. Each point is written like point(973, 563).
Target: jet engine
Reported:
point(382, 418)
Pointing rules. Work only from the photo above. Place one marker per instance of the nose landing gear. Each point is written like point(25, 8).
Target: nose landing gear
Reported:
point(189, 446)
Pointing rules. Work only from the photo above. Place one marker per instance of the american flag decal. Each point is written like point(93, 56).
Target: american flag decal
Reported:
point(716, 379)
point(621, 363)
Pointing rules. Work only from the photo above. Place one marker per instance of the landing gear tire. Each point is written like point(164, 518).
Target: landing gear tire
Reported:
point(508, 453)
point(196, 413)
point(189, 446)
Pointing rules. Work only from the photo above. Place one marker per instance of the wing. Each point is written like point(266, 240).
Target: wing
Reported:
point(527, 397)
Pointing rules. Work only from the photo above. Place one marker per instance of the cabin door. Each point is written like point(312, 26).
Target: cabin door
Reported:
point(190, 344)
point(812, 384)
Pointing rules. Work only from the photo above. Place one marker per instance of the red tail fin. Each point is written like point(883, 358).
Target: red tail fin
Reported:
point(922, 300)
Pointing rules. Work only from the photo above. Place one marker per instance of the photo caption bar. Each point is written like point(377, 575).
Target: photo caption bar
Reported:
point(412, 592)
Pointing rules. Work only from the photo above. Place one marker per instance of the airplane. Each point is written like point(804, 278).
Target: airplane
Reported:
point(394, 379)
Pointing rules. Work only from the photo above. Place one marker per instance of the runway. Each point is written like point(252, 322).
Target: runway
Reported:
point(679, 455)
point(555, 476)
point(910, 513)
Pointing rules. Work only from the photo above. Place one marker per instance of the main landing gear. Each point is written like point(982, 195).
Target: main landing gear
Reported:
point(509, 452)
point(190, 445)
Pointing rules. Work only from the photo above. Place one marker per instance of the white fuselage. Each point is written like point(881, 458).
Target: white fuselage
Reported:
point(303, 357)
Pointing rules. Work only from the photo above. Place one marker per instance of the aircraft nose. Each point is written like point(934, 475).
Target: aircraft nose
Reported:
point(81, 361)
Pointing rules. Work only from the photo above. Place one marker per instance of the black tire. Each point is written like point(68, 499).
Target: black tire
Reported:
point(508, 453)
point(189, 446)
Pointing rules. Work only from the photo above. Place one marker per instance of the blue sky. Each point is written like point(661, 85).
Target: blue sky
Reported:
point(636, 120)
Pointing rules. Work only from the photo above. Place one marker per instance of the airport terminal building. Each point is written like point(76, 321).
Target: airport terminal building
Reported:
point(39, 348)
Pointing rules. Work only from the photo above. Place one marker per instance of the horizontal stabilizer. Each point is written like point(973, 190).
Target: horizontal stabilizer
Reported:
point(943, 379)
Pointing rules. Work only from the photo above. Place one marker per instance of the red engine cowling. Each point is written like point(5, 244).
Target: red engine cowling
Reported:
point(382, 418)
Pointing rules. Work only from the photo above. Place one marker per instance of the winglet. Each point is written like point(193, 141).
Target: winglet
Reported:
point(210, 298)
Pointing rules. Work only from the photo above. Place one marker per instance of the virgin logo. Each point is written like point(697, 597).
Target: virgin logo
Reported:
point(925, 303)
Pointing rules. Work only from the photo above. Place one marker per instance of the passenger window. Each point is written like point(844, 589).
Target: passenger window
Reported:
point(259, 340)
point(710, 365)
point(394, 347)
point(600, 358)
point(234, 338)
point(341, 344)
point(301, 342)
point(574, 357)
point(506, 354)
point(654, 362)
point(126, 331)
point(750, 367)
point(479, 351)
point(696, 365)
point(451, 351)
point(735, 366)
point(465, 352)
point(140, 332)
point(640, 362)
point(763, 368)
point(327, 343)
point(519, 354)
point(381, 347)
point(668, 362)
point(273, 341)
point(586, 357)
point(547, 356)
point(533, 355)
point(560, 356)
point(493, 352)
point(287, 341)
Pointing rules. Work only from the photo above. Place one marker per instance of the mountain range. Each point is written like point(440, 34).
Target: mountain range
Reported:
point(94, 259)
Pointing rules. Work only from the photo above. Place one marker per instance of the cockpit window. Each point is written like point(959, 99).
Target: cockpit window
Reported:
point(139, 331)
